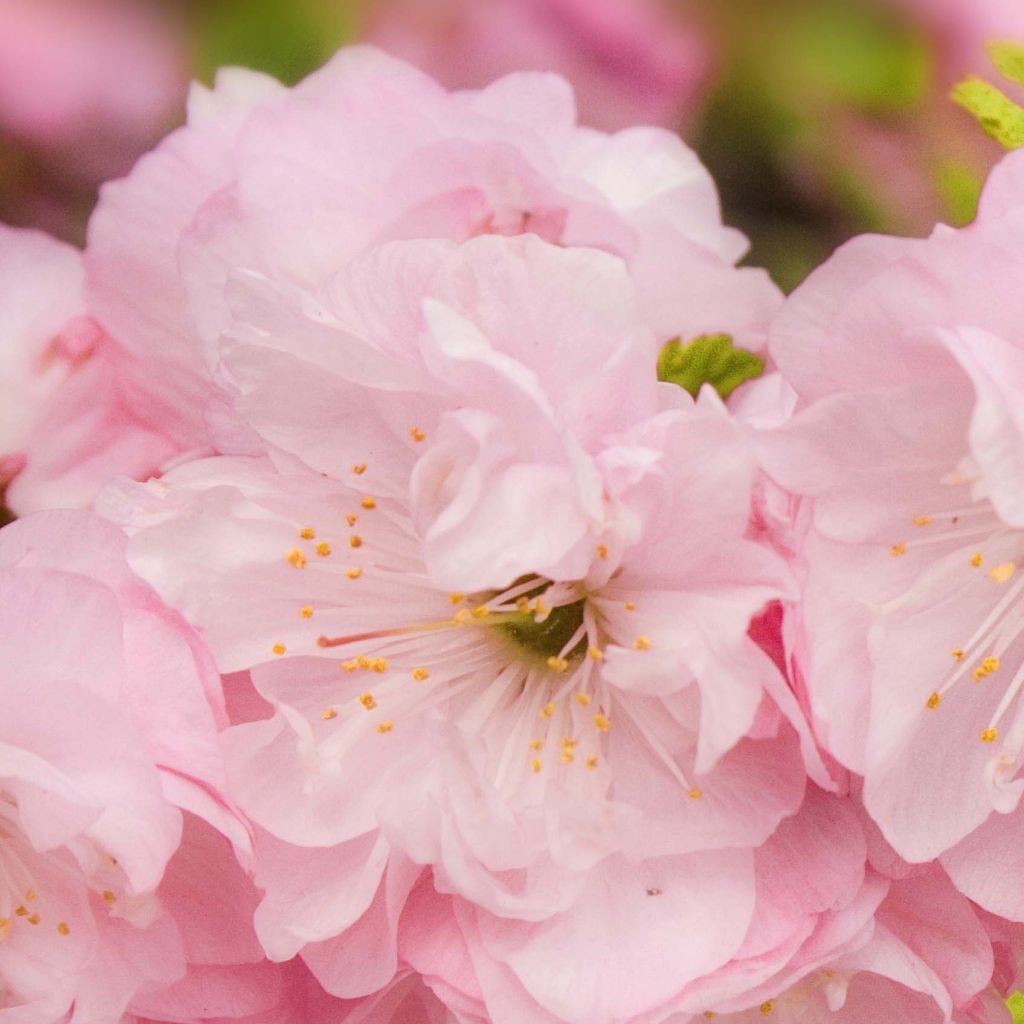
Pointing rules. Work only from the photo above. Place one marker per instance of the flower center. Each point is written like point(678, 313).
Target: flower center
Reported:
point(548, 637)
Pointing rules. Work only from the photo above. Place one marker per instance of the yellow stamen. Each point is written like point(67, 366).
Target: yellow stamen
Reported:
point(278, 649)
point(462, 617)
point(30, 895)
point(535, 765)
point(767, 1007)
point(366, 699)
point(976, 559)
point(595, 653)
point(21, 911)
point(694, 793)
point(419, 674)
point(921, 520)
point(385, 726)
point(642, 643)
point(307, 533)
point(933, 701)
point(602, 551)
point(351, 519)
point(323, 549)
point(601, 722)
point(368, 502)
point(557, 664)
point(306, 611)
point(898, 549)
point(1001, 573)
point(456, 598)
point(988, 735)
point(108, 896)
point(33, 919)
point(355, 572)
point(360, 469)
point(355, 541)
point(630, 606)
point(481, 612)
point(328, 713)
point(958, 653)
point(536, 744)
point(591, 762)
point(547, 711)
point(583, 699)
point(296, 559)
point(63, 928)
point(416, 434)
point(379, 665)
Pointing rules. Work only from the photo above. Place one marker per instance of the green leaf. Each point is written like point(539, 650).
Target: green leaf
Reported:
point(710, 359)
point(997, 114)
point(1016, 1005)
point(1008, 59)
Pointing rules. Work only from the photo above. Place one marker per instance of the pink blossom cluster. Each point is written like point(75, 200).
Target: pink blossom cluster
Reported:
point(385, 644)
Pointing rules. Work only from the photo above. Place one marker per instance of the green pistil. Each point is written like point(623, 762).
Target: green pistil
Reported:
point(543, 640)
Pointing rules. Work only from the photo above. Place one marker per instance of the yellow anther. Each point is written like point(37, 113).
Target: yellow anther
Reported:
point(351, 519)
point(33, 919)
point(591, 762)
point(481, 612)
point(709, 1014)
point(323, 549)
point(569, 744)
point(368, 502)
point(21, 911)
point(933, 701)
point(328, 713)
point(462, 617)
point(307, 533)
point(630, 606)
point(547, 711)
point(976, 559)
point(364, 661)
point(355, 541)
point(108, 896)
point(602, 550)
point(296, 559)
point(958, 653)
point(359, 469)
point(456, 598)
point(595, 653)
point(567, 756)
point(536, 744)
point(583, 699)
point(419, 674)
point(384, 727)
point(63, 928)
point(986, 668)
point(601, 722)
point(30, 895)
point(348, 666)
point(306, 611)
point(898, 549)
point(379, 665)
point(278, 649)
point(535, 765)
point(642, 643)
point(988, 735)
point(355, 572)
point(416, 434)
point(540, 610)
point(921, 520)
point(366, 699)
point(767, 1007)
point(522, 603)
point(557, 664)
point(1001, 573)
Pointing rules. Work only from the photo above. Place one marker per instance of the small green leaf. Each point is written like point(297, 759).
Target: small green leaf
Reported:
point(1016, 1005)
point(997, 114)
point(710, 359)
point(1008, 59)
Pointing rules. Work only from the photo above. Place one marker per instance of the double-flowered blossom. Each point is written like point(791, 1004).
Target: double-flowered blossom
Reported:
point(908, 360)
point(494, 584)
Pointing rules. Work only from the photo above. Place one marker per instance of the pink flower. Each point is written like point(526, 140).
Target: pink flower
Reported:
point(494, 588)
point(630, 63)
point(109, 727)
point(75, 409)
point(908, 360)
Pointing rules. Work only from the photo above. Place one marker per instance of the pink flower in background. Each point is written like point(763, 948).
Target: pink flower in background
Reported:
point(494, 588)
point(111, 708)
point(86, 86)
point(908, 359)
point(629, 62)
point(74, 409)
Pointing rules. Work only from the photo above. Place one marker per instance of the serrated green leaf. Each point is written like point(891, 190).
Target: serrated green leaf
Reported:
point(997, 114)
point(710, 359)
point(1008, 59)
